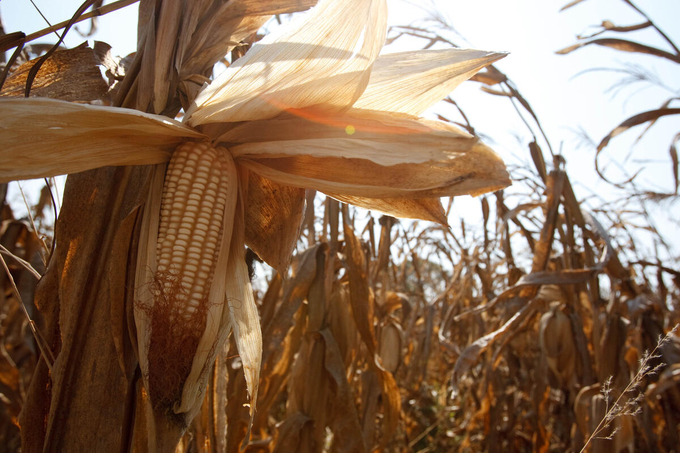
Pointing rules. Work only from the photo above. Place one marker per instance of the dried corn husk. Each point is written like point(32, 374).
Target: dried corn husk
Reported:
point(557, 343)
point(78, 137)
point(332, 59)
point(391, 339)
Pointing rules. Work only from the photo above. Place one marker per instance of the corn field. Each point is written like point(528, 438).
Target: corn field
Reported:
point(262, 260)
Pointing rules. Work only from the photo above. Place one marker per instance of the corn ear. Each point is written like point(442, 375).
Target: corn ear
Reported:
point(181, 280)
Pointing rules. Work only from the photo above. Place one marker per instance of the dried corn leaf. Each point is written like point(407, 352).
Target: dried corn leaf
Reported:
point(270, 7)
point(295, 294)
point(83, 310)
point(308, 391)
point(78, 137)
point(362, 309)
point(473, 169)
point(273, 220)
point(289, 433)
point(636, 120)
point(69, 75)
point(673, 151)
point(324, 59)
point(341, 324)
point(412, 82)
point(169, 16)
point(570, 4)
point(471, 353)
point(344, 420)
point(623, 45)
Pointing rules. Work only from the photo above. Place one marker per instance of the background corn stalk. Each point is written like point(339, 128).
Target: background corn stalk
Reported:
point(382, 335)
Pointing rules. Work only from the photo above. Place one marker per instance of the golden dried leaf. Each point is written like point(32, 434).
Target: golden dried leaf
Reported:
point(273, 219)
point(472, 169)
point(233, 22)
point(362, 309)
point(78, 137)
point(69, 75)
point(324, 59)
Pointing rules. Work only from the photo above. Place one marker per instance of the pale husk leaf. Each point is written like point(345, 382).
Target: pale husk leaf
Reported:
point(469, 168)
point(146, 267)
point(46, 137)
point(225, 25)
point(412, 82)
point(244, 317)
point(381, 137)
point(324, 59)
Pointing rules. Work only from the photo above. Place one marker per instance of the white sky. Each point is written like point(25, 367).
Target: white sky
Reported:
point(531, 30)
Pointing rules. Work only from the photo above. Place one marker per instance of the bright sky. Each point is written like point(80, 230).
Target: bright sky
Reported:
point(531, 30)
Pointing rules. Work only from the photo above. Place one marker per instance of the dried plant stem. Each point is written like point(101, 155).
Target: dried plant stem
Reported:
point(94, 13)
point(25, 264)
point(35, 229)
point(616, 410)
point(39, 339)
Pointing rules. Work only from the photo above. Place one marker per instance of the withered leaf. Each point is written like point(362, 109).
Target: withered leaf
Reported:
point(570, 4)
point(69, 75)
point(623, 45)
point(273, 220)
point(362, 308)
point(636, 120)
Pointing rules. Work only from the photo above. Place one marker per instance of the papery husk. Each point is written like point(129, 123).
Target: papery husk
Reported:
point(163, 426)
point(472, 168)
point(219, 320)
point(557, 344)
point(380, 137)
point(324, 59)
point(273, 220)
point(242, 311)
point(391, 338)
point(412, 82)
point(76, 137)
point(318, 123)
point(226, 25)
